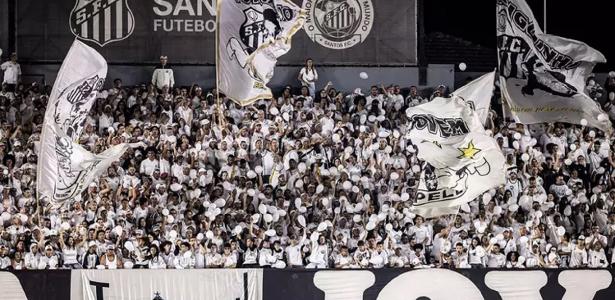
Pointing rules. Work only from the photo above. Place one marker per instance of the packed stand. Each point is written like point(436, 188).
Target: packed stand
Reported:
point(292, 182)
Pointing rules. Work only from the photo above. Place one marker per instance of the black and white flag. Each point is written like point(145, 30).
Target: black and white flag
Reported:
point(251, 36)
point(65, 168)
point(542, 76)
point(461, 160)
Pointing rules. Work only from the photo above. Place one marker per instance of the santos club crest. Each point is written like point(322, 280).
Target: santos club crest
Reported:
point(338, 24)
point(102, 21)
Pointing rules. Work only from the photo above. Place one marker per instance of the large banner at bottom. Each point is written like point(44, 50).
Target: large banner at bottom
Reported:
point(293, 284)
point(230, 284)
point(438, 284)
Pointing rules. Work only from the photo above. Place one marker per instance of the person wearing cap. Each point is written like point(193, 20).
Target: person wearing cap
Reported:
point(49, 260)
point(110, 260)
point(12, 72)
point(163, 74)
point(90, 258)
point(32, 257)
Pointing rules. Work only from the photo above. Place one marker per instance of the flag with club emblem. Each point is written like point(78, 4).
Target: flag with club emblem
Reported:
point(65, 168)
point(461, 161)
point(250, 39)
point(542, 76)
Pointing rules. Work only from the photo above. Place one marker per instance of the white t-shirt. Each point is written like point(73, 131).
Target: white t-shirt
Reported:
point(308, 75)
point(12, 71)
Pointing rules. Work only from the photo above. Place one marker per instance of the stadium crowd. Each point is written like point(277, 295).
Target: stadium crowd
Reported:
point(294, 182)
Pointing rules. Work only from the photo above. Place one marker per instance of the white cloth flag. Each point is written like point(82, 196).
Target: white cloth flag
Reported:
point(64, 167)
point(461, 161)
point(477, 94)
point(251, 38)
point(542, 76)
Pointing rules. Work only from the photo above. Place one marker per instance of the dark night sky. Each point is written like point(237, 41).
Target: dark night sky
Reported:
point(474, 20)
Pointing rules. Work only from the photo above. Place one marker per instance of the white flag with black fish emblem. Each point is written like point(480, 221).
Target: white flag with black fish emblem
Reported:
point(251, 36)
point(461, 160)
point(542, 76)
point(64, 167)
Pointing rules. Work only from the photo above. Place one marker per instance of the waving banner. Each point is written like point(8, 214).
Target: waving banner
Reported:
point(542, 76)
point(477, 94)
point(64, 167)
point(251, 37)
point(461, 161)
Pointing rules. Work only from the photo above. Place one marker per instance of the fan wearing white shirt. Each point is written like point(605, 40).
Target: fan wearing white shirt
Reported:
point(294, 255)
point(12, 72)
point(398, 259)
point(495, 258)
point(379, 257)
point(229, 258)
point(308, 76)
point(150, 164)
point(343, 260)
point(597, 257)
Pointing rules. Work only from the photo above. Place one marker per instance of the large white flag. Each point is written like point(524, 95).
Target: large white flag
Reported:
point(542, 76)
point(461, 161)
point(477, 94)
point(251, 37)
point(64, 167)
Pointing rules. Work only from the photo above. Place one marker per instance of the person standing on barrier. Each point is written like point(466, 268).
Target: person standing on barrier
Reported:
point(163, 75)
point(12, 72)
point(308, 76)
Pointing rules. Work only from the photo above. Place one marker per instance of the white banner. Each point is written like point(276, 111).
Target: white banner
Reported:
point(542, 76)
point(64, 167)
point(219, 284)
point(477, 94)
point(461, 161)
point(251, 38)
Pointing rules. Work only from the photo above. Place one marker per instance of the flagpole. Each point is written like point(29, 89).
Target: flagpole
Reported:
point(218, 102)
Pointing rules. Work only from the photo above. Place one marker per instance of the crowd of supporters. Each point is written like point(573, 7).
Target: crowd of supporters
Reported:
point(293, 182)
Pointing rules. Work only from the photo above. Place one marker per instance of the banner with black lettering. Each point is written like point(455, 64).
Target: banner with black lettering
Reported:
point(340, 32)
point(466, 284)
point(461, 161)
point(251, 38)
point(542, 76)
point(133, 284)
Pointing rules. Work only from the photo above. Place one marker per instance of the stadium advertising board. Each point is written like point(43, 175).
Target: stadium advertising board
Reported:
point(398, 284)
point(227, 284)
point(337, 32)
